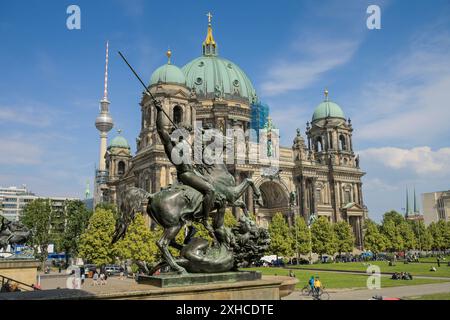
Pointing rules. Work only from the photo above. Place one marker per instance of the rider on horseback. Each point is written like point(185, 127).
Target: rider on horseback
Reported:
point(186, 172)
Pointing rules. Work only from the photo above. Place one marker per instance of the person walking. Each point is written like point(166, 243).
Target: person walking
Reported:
point(95, 278)
point(438, 261)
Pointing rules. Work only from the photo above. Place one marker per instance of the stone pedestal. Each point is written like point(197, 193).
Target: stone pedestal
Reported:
point(176, 280)
point(266, 288)
point(24, 270)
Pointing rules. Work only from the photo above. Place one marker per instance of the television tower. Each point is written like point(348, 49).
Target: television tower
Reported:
point(104, 123)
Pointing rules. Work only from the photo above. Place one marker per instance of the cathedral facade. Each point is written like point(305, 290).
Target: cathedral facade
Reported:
point(318, 175)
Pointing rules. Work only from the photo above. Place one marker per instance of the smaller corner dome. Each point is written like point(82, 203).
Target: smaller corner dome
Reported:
point(119, 142)
point(328, 109)
point(168, 73)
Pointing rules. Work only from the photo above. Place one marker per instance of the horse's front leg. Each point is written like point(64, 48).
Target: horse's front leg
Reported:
point(240, 189)
point(163, 244)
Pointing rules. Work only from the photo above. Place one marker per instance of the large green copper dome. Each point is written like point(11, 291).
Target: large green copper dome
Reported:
point(168, 73)
point(327, 109)
point(212, 76)
point(119, 142)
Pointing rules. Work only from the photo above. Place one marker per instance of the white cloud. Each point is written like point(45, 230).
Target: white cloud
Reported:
point(24, 115)
point(310, 59)
point(376, 184)
point(410, 96)
point(16, 152)
point(420, 160)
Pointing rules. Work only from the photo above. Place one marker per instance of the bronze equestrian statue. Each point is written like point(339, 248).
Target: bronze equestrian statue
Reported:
point(12, 233)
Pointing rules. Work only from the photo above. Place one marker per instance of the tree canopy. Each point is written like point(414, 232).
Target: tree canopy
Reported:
point(280, 237)
point(95, 243)
point(323, 238)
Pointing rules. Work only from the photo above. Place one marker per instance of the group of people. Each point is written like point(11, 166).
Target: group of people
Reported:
point(402, 276)
point(315, 285)
point(99, 278)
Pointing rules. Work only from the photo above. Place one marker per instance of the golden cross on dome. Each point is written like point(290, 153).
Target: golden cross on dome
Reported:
point(209, 15)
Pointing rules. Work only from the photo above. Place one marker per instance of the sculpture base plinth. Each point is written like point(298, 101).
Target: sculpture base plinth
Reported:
point(177, 280)
point(21, 270)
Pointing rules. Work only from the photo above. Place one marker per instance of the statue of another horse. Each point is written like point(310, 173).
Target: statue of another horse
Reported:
point(12, 233)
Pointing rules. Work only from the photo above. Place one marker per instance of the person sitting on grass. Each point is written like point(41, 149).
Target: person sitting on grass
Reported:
point(433, 268)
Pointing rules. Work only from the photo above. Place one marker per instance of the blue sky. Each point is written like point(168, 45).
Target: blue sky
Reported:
point(393, 83)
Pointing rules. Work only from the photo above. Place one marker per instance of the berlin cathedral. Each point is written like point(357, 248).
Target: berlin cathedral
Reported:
point(318, 175)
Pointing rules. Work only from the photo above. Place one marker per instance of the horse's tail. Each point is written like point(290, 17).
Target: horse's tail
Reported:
point(131, 203)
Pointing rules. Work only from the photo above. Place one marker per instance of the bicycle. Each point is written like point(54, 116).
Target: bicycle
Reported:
point(322, 295)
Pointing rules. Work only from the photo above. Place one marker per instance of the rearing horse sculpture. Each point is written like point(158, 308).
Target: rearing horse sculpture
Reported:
point(172, 207)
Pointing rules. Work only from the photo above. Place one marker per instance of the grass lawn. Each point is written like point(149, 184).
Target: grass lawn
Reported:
point(434, 261)
point(416, 269)
point(333, 280)
point(436, 296)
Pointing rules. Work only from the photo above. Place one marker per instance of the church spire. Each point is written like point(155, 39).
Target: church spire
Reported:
point(416, 210)
point(209, 45)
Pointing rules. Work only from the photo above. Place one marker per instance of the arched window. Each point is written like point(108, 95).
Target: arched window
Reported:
point(177, 114)
point(342, 143)
point(121, 168)
point(319, 144)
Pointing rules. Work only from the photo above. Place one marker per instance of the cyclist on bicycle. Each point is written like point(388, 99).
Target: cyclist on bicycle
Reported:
point(311, 283)
point(317, 285)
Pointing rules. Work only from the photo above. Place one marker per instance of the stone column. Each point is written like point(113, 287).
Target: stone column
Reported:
point(156, 178)
point(250, 196)
point(234, 210)
point(303, 198)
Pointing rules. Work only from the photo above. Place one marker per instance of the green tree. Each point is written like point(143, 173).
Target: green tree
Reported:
point(37, 216)
point(109, 207)
point(392, 233)
point(437, 233)
point(446, 228)
point(322, 235)
point(77, 220)
point(139, 243)
point(374, 240)
point(280, 237)
point(408, 236)
point(345, 240)
point(229, 219)
point(394, 216)
point(300, 236)
point(95, 243)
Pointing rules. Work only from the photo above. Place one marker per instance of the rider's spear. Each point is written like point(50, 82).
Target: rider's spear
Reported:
point(146, 89)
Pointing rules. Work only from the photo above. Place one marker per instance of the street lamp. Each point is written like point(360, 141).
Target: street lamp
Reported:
point(311, 220)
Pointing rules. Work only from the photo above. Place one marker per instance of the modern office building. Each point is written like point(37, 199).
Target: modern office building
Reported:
point(13, 199)
point(436, 206)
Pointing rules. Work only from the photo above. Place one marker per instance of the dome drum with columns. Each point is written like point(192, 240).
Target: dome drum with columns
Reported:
point(318, 175)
